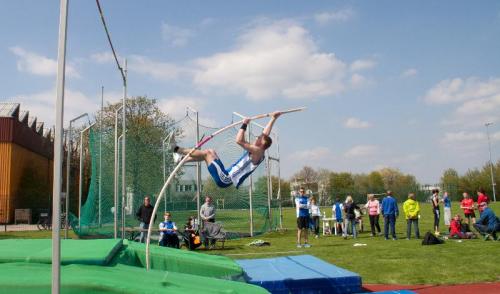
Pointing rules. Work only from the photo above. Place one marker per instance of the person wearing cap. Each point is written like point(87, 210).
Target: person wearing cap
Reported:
point(488, 223)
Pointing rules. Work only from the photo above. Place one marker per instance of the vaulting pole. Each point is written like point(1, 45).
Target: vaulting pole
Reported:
point(181, 163)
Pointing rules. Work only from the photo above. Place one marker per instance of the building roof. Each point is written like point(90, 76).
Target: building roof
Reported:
point(9, 109)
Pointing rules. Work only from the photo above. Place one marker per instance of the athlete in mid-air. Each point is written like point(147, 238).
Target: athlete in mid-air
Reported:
point(243, 167)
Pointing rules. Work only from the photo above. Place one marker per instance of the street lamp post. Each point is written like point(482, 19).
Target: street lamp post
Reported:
point(493, 184)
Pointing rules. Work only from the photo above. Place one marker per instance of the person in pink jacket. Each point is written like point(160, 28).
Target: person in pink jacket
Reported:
point(373, 209)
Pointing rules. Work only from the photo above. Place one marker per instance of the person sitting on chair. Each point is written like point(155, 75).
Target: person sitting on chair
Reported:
point(191, 236)
point(168, 232)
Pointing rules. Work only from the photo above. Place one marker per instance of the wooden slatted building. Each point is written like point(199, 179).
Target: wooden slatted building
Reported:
point(26, 162)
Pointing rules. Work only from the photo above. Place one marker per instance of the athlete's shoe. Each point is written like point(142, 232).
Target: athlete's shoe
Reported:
point(306, 245)
point(299, 246)
point(177, 157)
point(171, 142)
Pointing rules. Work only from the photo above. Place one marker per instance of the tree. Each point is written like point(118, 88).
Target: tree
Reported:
point(341, 183)
point(450, 181)
point(400, 184)
point(146, 127)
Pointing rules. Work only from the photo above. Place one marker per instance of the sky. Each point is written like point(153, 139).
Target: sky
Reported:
point(407, 85)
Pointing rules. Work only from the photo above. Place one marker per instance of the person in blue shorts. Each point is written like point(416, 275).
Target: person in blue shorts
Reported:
point(337, 210)
point(243, 167)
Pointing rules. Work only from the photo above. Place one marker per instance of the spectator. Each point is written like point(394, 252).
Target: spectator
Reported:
point(412, 214)
point(350, 216)
point(337, 211)
point(456, 229)
point(207, 214)
point(315, 215)
point(447, 209)
point(373, 207)
point(467, 205)
point(302, 204)
point(435, 210)
point(144, 216)
point(390, 212)
point(168, 232)
point(481, 197)
point(488, 223)
point(192, 238)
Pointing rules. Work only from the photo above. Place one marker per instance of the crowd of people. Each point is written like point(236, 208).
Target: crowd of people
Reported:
point(193, 234)
point(348, 215)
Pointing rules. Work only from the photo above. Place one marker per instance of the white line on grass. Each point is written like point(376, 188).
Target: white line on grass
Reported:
point(259, 253)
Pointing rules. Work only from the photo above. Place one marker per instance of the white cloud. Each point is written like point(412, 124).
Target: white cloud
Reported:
point(42, 105)
point(315, 154)
point(324, 18)
point(163, 71)
point(276, 59)
point(36, 64)
point(467, 137)
point(176, 36)
point(176, 106)
point(361, 151)
point(477, 101)
point(103, 57)
point(359, 81)
point(362, 64)
point(458, 90)
point(356, 123)
point(411, 72)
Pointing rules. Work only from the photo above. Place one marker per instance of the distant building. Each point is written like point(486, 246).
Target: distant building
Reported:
point(26, 162)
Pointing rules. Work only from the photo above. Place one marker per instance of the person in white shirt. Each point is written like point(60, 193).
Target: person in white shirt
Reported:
point(315, 215)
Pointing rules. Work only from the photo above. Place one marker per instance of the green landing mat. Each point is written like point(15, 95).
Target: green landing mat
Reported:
point(182, 261)
point(96, 252)
point(31, 278)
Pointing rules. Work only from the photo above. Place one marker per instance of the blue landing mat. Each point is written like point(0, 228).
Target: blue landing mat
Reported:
point(299, 274)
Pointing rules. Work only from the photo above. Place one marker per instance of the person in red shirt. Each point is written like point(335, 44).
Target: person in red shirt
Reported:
point(481, 198)
point(467, 205)
point(456, 229)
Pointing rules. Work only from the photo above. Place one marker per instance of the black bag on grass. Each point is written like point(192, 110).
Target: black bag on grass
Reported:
point(430, 239)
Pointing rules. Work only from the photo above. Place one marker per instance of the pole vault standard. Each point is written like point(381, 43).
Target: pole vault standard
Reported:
point(80, 180)
point(181, 163)
point(269, 182)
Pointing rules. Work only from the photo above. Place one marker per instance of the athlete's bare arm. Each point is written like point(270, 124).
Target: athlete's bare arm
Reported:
point(240, 140)
point(269, 126)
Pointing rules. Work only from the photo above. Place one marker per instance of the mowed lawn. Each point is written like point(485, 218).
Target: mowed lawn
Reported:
point(386, 262)
point(379, 262)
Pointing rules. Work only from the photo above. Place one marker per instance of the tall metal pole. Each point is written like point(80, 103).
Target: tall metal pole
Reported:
point(279, 181)
point(68, 171)
point(100, 153)
point(493, 184)
point(80, 180)
point(58, 148)
point(269, 191)
point(198, 165)
point(124, 167)
point(250, 189)
point(116, 171)
point(165, 166)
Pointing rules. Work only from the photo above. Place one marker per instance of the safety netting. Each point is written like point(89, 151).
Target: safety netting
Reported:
point(250, 210)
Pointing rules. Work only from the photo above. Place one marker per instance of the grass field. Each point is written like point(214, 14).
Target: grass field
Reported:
point(380, 261)
point(386, 262)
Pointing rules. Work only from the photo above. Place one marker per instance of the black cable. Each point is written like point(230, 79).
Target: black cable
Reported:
point(109, 40)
